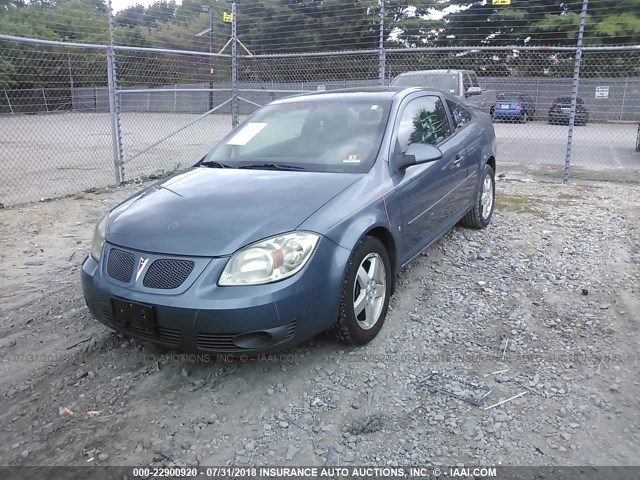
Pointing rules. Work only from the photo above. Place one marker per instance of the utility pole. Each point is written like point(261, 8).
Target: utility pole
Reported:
point(208, 9)
point(574, 90)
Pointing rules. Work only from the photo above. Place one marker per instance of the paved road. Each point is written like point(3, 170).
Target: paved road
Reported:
point(595, 146)
point(46, 156)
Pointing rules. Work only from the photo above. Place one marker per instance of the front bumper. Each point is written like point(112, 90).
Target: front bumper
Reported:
point(202, 317)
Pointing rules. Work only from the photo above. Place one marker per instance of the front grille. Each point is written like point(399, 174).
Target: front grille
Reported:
point(169, 336)
point(120, 265)
point(215, 341)
point(168, 274)
point(291, 330)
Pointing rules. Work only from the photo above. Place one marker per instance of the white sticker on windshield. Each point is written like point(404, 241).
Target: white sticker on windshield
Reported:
point(354, 158)
point(245, 135)
point(374, 107)
point(451, 90)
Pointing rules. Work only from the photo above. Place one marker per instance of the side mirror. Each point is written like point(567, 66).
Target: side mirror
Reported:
point(473, 91)
point(416, 154)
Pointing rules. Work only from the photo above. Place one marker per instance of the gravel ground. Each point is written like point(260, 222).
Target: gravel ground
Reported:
point(545, 302)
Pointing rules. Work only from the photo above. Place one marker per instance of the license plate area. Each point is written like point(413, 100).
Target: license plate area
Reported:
point(504, 107)
point(132, 314)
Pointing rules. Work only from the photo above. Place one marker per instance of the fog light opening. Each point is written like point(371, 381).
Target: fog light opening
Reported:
point(253, 340)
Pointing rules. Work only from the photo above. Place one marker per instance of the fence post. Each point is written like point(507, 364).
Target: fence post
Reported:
point(8, 101)
point(537, 95)
point(574, 90)
point(381, 52)
point(95, 98)
point(71, 85)
point(44, 97)
point(234, 67)
point(114, 104)
point(624, 97)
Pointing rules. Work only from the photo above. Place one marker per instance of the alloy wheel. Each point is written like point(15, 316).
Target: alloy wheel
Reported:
point(486, 199)
point(369, 291)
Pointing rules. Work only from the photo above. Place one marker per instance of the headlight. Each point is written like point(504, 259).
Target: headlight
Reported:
point(270, 260)
point(98, 239)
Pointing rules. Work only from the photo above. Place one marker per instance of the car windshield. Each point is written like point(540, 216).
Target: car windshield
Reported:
point(317, 134)
point(447, 82)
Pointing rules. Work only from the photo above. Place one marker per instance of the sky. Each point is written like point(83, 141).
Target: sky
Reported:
point(118, 5)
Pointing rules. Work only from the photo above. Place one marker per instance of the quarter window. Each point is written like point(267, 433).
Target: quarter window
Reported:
point(424, 120)
point(459, 114)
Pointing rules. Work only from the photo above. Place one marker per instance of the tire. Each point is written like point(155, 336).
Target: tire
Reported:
point(480, 216)
point(357, 328)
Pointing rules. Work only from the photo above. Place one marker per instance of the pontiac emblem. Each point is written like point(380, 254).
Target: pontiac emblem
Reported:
point(141, 264)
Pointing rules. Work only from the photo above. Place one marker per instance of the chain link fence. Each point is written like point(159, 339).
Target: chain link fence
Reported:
point(45, 149)
point(166, 112)
point(87, 116)
point(173, 108)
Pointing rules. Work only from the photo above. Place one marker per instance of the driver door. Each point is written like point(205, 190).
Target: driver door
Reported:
point(427, 191)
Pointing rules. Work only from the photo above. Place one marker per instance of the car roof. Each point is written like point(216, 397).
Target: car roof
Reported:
point(360, 93)
point(436, 71)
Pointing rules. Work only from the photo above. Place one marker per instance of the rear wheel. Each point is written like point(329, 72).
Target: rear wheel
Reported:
point(365, 294)
point(480, 215)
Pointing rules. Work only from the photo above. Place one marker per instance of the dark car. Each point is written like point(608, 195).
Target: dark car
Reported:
point(297, 222)
point(514, 106)
point(560, 111)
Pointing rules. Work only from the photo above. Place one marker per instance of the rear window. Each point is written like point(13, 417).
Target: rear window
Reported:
point(567, 100)
point(509, 96)
point(447, 82)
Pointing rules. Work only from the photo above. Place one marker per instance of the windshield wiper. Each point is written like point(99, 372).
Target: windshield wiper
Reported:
point(212, 164)
point(272, 166)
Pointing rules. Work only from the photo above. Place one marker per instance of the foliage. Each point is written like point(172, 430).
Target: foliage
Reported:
point(267, 26)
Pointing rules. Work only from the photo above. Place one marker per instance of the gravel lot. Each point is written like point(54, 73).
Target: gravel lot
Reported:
point(545, 302)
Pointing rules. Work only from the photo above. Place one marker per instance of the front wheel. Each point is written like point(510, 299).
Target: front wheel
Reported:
point(480, 215)
point(365, 294)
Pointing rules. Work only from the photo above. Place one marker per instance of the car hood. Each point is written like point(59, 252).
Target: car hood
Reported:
point(214, 212)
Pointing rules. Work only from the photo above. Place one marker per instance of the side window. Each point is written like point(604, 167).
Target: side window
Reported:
point(424, 120)
point(460, 115)
point(466, 81)
point(474, 80)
